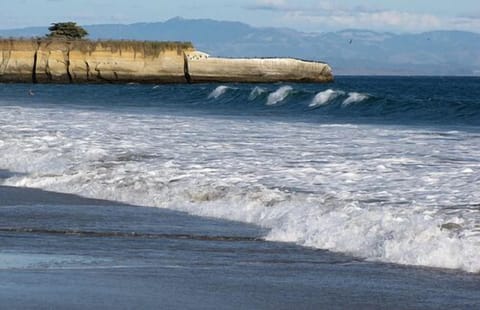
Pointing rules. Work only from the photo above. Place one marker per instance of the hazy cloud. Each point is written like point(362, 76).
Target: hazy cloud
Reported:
point(377, 19)
point(330, 15)
point(464, 23)
point(269, 5)
point(289, 6)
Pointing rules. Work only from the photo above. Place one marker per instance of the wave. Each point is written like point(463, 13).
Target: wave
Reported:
point(411, 236)
point(354, 97)
point(256, 92)
point(382, 101)
point(279, 95)
point(218, 92)
point(324, 97)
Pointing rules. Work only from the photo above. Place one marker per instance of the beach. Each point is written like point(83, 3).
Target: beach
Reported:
point(180, 261)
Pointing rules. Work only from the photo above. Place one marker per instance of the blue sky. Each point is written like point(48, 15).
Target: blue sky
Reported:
point(305, 15)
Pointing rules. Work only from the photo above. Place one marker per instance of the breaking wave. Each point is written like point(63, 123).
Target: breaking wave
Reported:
point(355, 98)
point(279, 95)
point(324, 97)
point(256, 92)
point(217, 92)
point(312, 102)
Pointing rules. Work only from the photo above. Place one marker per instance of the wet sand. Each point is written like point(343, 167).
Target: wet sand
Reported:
point(64, 251)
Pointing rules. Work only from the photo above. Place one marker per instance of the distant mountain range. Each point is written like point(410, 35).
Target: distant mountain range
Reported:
point(348, 51)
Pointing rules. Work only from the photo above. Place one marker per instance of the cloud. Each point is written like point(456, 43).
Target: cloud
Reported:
point(464, 23)
point(289, 6)
point(269, 5)
point(329, 15)
point(377, 20)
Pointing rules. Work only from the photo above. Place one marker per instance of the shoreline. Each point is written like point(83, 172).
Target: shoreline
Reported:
point(123, 271)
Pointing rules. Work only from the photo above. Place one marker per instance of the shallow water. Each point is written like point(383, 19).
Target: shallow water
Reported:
point(64, 251)
point(382, 169)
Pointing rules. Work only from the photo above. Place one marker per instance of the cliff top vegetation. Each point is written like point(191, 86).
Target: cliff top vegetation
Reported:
point(147, 48)
point(66, 30)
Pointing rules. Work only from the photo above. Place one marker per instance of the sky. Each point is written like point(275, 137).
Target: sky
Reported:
point(398, 16)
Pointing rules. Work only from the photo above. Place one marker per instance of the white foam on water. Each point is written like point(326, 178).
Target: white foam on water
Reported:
point(217, 92)
point(325, 97)
point(354, 97)
point(256, 92)
point(279, 95)
point(413, 236)
point(381, 193)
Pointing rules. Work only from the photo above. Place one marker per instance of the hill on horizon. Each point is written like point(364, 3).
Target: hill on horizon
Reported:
point(349, 52)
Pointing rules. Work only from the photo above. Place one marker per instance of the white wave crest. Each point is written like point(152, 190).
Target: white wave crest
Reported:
point(325, 97)
point(354, 97)
point(217, 92)
point(279, 95)
point(256, 92)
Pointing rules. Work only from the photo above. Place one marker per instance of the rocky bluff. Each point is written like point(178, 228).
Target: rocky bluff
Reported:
point(83, 61)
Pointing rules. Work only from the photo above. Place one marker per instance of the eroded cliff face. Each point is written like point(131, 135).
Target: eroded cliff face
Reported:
point(57, 61)
point(17, 60)
point(208, 69)
point(128, 64)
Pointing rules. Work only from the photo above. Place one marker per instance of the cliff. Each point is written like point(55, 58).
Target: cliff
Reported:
point(86, 61)
point(257, 70)
point(58, 61)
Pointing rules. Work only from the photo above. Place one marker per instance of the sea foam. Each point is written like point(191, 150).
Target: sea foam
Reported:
point(346, 188)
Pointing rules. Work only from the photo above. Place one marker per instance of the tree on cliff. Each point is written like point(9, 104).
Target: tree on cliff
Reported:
point(67, 30)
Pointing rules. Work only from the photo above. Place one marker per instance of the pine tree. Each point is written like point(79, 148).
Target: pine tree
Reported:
point(67, 30)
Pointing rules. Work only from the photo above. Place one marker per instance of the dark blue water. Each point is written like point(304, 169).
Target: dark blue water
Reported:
point(397, 100)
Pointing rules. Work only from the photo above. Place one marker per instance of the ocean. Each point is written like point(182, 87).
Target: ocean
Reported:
point(367, 173)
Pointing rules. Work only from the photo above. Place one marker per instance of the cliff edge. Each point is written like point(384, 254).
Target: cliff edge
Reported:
point(83, 61)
